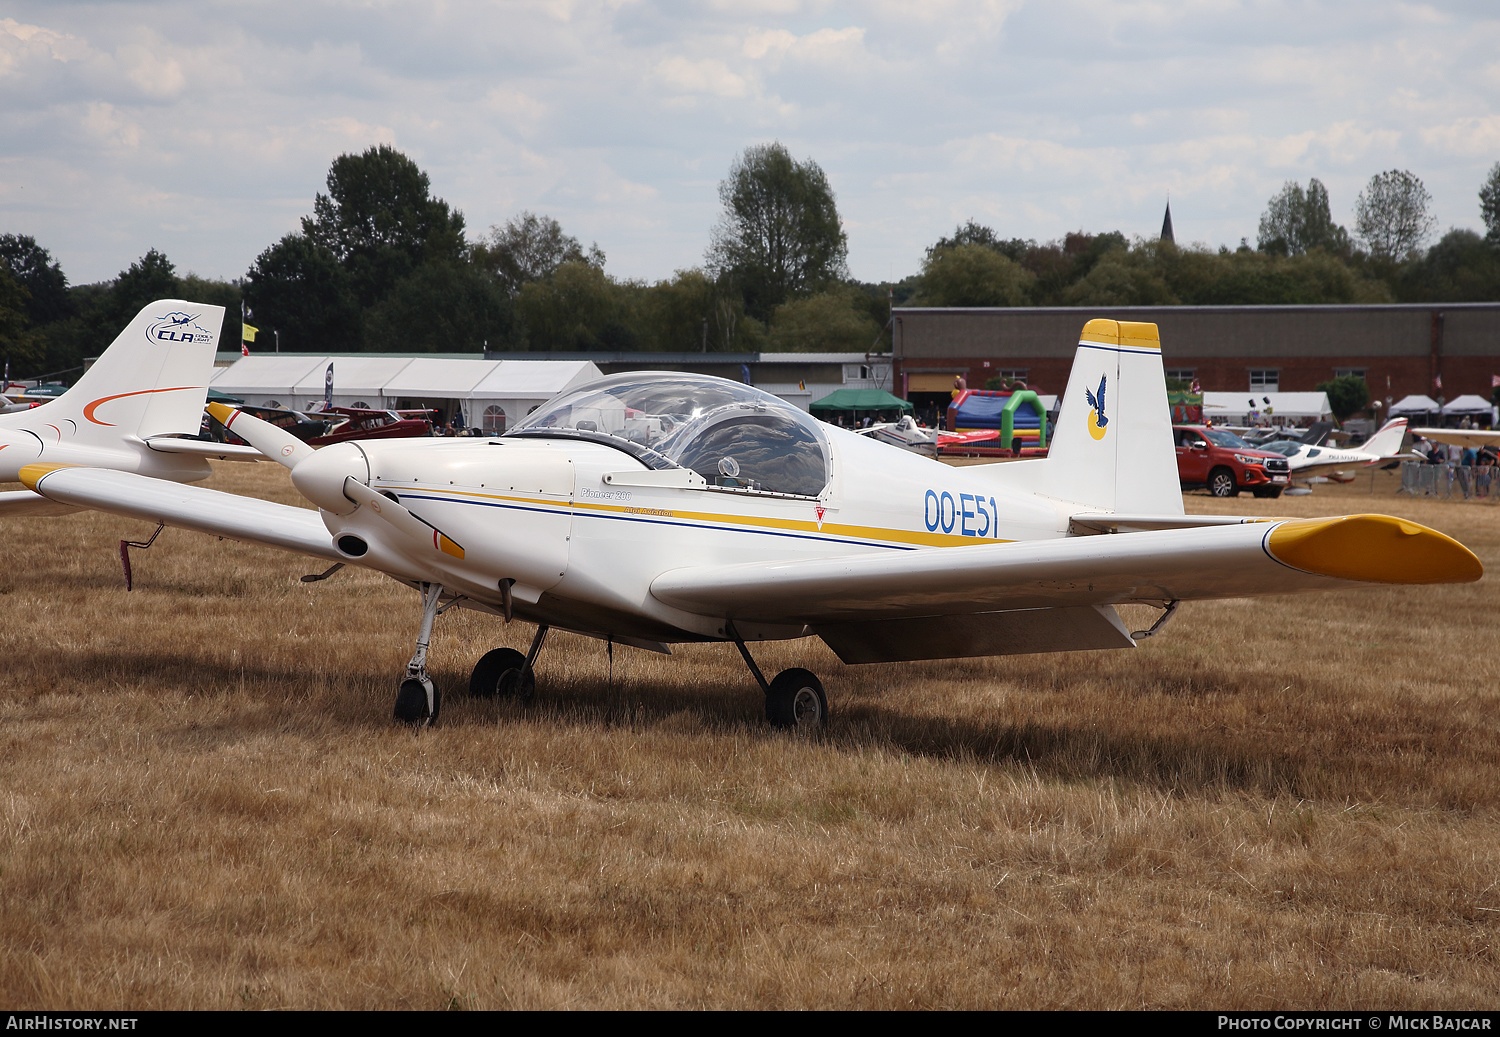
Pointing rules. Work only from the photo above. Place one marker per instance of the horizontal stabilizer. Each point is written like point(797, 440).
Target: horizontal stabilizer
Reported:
point(188, 507)
point(1095, 522)
point(205, 448)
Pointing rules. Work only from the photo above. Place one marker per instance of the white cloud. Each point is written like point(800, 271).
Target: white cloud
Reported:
point(708, 76)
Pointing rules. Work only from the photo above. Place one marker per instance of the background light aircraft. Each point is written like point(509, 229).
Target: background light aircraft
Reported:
point(129, 410)
point(652, 508)
point(1308, 460)
point(906, 434)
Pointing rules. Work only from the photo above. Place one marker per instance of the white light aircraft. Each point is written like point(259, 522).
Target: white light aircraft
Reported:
point(651, 508)
point(1307, 460)
point(129, 411)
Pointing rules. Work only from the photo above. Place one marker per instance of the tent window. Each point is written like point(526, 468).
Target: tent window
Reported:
point(272, 403)
point(494, 419)
point(361, 405)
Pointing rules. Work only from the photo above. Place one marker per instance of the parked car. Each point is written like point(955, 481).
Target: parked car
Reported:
point(1226, 464)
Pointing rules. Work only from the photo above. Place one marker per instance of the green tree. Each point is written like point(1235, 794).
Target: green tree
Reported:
point(380, 221)
point(1461, 267)
point(1391, 215)
point(973, 275)
point(1347, 396)
point(35, 270)
point(1122, 278)
point(1489, 204)
point(529, 248)
point(972, 232)
point(578, 307)
point(443, 308)
point(149, 278)
point(297, 287)
point(676, 316)
point(1296, 222)
point(828, 322)
point(19, 346)
point(779, 234)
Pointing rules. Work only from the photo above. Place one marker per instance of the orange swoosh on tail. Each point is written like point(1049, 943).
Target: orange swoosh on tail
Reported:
point(88, 411)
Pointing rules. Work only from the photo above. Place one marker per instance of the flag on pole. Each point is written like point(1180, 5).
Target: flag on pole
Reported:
point(1437, 381)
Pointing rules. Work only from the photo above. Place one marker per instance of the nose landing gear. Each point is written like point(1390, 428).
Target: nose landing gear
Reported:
point(418, 699)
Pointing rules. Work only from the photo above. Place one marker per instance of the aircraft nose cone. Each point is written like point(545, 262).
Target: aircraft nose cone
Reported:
point(320, 478)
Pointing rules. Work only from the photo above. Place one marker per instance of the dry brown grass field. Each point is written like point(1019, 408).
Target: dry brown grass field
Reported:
point(1280, 802)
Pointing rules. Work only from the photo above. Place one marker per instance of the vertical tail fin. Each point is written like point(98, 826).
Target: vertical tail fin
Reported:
point(1112, 447)
point(151, 381)
point(1388, 440)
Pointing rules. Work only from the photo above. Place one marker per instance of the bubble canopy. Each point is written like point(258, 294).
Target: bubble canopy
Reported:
point(736, 436)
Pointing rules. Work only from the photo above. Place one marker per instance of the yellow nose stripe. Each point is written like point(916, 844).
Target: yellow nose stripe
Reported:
point(1374, 549)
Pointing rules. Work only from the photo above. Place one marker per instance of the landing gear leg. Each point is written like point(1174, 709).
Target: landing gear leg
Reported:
point(418, 700)
point(794, 699)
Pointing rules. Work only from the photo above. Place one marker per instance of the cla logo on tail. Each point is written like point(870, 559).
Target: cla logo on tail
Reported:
point(1097, 419)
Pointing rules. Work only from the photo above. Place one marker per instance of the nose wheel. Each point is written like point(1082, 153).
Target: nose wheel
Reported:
point(418, 699)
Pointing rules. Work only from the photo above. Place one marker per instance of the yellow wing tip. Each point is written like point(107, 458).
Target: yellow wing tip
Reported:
point(1373, 549)
point(31, 474)
point(448, 547)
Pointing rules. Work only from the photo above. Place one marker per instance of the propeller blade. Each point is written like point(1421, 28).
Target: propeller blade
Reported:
point(403, 520)
point(277, 444)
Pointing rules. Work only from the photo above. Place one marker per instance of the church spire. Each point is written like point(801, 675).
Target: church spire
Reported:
point(1166, 225)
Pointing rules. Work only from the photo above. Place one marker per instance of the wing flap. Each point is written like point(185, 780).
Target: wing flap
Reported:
point(188, 507)
point(1165, 565)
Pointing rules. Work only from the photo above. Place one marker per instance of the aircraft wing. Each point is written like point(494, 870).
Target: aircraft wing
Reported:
point(189, 507)
point(1475, 437)
point(25, 504)
point(1304, 471)
point(1224, 561)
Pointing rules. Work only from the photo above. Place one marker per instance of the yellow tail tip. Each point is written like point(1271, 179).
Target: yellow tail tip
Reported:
point(1373, 549)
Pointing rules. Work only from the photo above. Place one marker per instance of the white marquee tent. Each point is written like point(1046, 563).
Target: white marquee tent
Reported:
point(493, 394)
point(1236, 407)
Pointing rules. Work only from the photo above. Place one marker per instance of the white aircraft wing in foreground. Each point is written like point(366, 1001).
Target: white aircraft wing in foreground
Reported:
point(651, 508)
point(130, 411)
point(1478, 438)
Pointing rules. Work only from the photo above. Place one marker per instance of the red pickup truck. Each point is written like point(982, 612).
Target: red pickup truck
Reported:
point(1226, 464)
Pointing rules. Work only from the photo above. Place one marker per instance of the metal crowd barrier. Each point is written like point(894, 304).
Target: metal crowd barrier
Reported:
point(1471, 482)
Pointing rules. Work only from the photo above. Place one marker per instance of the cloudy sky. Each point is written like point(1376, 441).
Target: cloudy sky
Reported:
point(204, 128)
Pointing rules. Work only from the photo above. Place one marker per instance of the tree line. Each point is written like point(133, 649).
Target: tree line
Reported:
point(380, 264)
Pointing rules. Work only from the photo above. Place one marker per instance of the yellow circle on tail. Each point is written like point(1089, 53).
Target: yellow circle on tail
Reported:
point(1094, 429)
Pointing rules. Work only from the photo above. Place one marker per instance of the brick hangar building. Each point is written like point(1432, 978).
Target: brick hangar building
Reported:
point(1399, 350)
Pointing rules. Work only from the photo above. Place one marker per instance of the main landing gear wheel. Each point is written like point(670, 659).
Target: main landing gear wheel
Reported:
point(1221, 483)
point(502, 672)
point(795, 700)
point(418, 702)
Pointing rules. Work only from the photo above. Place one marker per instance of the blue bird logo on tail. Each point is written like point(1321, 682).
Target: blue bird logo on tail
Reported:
point(1097, 418)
